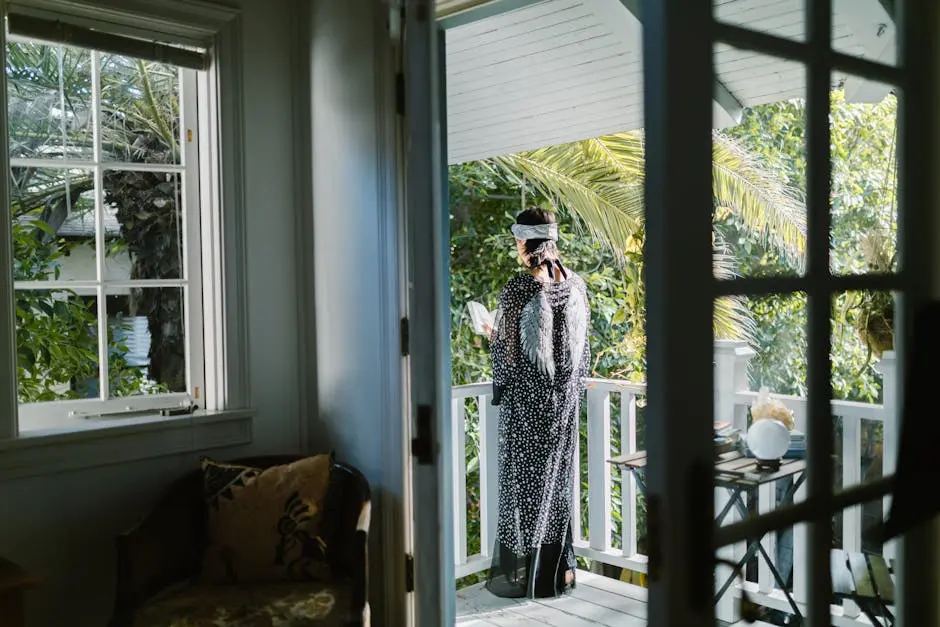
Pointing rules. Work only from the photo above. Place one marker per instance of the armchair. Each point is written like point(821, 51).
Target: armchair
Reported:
point(161, 558)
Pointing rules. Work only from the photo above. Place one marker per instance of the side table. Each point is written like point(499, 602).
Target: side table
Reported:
point(738, 475)
point(14, 581)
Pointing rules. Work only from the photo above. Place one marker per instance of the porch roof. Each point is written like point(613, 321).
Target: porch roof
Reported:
point(522, 74)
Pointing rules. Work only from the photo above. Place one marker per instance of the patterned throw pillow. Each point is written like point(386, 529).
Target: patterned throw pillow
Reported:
point(265, 525)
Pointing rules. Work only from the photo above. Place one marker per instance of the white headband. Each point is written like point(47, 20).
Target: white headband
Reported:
point(537, 231)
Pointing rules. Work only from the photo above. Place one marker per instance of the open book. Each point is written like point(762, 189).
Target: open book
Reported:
point(480, 318)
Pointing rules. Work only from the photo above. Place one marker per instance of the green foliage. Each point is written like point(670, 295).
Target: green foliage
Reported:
point(55, 344)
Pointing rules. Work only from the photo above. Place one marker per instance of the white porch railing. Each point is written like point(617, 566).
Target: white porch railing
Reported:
point(474, 416)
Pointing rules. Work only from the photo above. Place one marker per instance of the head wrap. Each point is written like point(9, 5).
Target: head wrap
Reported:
point(546, 253)
point(535, 231)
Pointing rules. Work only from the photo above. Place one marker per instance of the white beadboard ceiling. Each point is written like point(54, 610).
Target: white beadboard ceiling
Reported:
point(557, 71)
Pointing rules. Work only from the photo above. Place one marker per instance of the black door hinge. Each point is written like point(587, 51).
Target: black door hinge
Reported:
point(409, 572)
point(404, 337)
point(400, 93)
point(422, 445)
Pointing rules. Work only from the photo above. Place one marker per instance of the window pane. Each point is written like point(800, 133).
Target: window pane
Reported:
point(866, 29)
point(147, 209)
point(57, 346)
point(864, 386)
point(864, 126)
point(139, 110)
point(147, 341)
point(49, 101)
point(759, 165)
point(780, 18)
point(859, 551)
point(53, 224)
point(760, 378)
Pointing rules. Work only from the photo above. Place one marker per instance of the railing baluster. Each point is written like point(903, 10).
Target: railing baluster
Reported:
point(851, 475)
point(627, 482)
point(800, 531)
point(576, 532)
point(598, 469)
point(767, 502)
point(888, 367)
point(459, 430)
point(489, 473)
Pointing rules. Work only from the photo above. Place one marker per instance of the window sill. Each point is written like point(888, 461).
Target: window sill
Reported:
point(93, 443)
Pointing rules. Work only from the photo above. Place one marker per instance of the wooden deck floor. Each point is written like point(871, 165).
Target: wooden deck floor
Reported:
point(596, 602)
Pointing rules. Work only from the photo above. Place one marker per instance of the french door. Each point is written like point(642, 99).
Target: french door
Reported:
point(680, 38)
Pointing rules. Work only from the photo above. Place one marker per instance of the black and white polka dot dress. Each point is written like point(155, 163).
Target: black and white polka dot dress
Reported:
point(540, 355)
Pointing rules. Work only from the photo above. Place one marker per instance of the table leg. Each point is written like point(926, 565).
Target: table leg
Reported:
point(734, 499)
point(751, 550)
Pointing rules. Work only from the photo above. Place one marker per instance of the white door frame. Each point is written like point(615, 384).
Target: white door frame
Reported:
point(428, 316)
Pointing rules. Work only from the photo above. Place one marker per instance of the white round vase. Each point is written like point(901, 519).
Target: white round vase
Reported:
point(768, 439)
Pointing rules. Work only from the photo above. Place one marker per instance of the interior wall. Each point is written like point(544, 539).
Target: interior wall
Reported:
point(354, 239)
point(62, 527)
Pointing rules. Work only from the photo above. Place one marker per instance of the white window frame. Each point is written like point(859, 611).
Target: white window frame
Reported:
point(219, 132)
point(55, 414)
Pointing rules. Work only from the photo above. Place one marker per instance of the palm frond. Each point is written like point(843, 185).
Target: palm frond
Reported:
point(623, 153)
point(593, 192)
point(732, 318)
point(766, 206)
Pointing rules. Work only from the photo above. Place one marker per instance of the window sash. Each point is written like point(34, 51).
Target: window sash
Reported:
point(214, 27)
point(51, 414)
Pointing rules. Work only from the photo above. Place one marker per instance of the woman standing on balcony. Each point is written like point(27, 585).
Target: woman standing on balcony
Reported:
point(540, 355)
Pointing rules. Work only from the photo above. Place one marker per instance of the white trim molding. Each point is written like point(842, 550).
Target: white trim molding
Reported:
point(8, 385)
point(229, 159)
point(115, 441)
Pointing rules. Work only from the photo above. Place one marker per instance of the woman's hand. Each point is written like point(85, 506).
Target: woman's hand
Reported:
point(488, 330)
